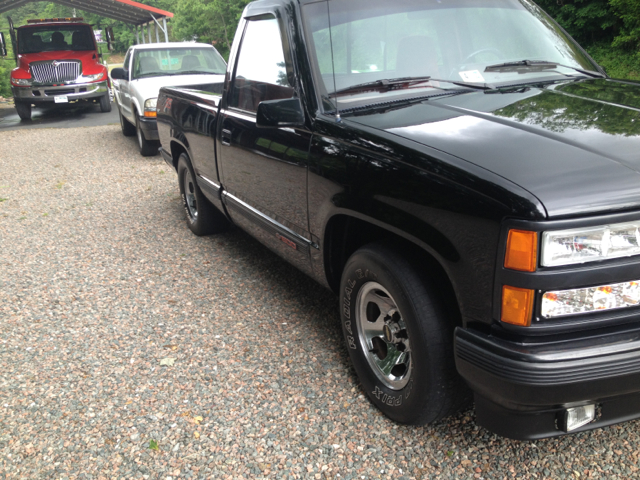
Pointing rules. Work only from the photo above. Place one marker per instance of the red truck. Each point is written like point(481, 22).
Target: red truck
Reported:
point(57, 62)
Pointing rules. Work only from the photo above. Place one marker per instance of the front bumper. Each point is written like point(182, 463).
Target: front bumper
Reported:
point(149, 127)
point(521, 390)
point(45, 93)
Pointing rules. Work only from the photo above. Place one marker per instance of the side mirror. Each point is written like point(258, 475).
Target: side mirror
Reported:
point(280, 113)
point(119, 74)
point(3, 46)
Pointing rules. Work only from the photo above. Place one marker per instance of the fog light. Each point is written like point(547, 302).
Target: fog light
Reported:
point(583, 300)
point(576, 417)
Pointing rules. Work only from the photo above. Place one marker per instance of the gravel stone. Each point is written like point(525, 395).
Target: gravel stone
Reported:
point(100, 280)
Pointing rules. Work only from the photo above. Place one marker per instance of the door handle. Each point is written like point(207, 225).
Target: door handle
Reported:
point(225, 138)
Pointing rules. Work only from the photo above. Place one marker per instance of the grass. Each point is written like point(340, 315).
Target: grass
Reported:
point(617, 63)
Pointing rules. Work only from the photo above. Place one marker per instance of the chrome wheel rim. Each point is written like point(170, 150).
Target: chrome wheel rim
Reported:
point(190, 195)
point(383, 336)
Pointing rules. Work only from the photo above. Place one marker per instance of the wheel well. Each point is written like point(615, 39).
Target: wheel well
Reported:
point(344, 235)
point(176, 151)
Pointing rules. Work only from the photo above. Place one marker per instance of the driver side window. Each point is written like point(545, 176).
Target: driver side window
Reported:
point(260, 72)
point(125, 63)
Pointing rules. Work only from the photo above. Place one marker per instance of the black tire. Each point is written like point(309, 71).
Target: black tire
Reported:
point(24, 110)
point(202, 217)
point(128, 130)
point(105, 103)
point(148, 148)
point(416, 337)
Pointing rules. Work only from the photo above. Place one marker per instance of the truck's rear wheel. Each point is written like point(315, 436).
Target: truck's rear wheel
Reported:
point(147, 148)
point(399, 337)
point(105, 103)
point(24, 110)
point(202, 217)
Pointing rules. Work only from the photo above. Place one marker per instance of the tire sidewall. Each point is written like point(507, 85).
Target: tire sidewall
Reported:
point(184, 166)
point(405, 405)
point(122, 120)
point(140, 136)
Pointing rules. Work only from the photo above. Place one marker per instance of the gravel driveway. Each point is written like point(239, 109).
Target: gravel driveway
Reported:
point(101, 282)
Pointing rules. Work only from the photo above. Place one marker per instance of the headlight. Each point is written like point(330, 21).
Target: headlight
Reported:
point(91, 78)
point(568, 247)
point(22, 82)
point(150, 107)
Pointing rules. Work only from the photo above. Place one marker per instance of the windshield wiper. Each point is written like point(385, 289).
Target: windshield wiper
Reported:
point(193, 72)
point(537, 64)
point(388, 84)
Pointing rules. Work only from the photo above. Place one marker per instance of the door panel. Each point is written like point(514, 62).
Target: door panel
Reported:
point(264, 170)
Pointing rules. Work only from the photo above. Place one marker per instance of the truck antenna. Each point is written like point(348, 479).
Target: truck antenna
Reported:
point(333, 67)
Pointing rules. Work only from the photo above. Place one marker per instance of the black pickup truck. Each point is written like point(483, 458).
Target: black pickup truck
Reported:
point(461, 173)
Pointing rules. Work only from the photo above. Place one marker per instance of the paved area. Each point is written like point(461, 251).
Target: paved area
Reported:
point(73, 115)
point(129, 348)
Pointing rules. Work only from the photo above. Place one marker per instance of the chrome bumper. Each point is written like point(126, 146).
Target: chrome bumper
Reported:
point(44, 93)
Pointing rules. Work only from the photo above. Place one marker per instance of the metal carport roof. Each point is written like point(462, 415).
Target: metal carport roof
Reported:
point(126, 11)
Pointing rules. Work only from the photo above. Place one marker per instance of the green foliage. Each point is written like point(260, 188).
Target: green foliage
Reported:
point(617, 62)
point(587, 21)
point(5, 68)
point(208, 21)
point(629, 12)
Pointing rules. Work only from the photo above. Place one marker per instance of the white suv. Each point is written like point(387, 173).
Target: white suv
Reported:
point(149, 67)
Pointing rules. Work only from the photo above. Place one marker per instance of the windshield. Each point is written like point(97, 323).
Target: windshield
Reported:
point(177, 61)
point(49, 38)
point(361, 41)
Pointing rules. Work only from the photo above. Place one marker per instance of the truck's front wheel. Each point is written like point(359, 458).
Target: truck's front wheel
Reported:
point(24, 110)
point(202, 217)
point(105, 103)
point(399, 337)
point(147, 148)
point(128, 130)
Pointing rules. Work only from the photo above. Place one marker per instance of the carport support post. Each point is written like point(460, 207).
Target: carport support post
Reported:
point(157, 33)
point(137, 35)
point(149, 30)
point(164, 24)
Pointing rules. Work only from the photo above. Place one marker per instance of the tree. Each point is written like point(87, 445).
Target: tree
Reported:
point(629, 12)
point(208, 21)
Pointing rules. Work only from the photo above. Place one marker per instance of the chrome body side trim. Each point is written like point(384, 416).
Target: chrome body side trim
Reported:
point(270, 221)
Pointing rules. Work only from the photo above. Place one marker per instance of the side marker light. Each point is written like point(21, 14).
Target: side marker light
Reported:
point(517, 305)
point(522, 251)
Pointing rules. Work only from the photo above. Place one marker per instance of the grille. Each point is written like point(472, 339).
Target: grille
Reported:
point(52, 93)
point(47, 72)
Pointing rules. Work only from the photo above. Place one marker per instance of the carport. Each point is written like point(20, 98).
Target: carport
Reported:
point(127, 11)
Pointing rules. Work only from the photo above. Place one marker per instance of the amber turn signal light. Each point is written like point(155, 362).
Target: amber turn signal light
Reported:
point(517, 305)
point(152, 113)
point(522, 251)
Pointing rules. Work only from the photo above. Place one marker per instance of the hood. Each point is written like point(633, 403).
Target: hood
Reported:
point(146, 88)
point(89, 59)
point(575, 146)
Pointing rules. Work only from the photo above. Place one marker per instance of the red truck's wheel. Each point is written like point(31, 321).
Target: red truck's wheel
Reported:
point(399, 337)
point(105, 103)
point(24, 110)
point(202, 217)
